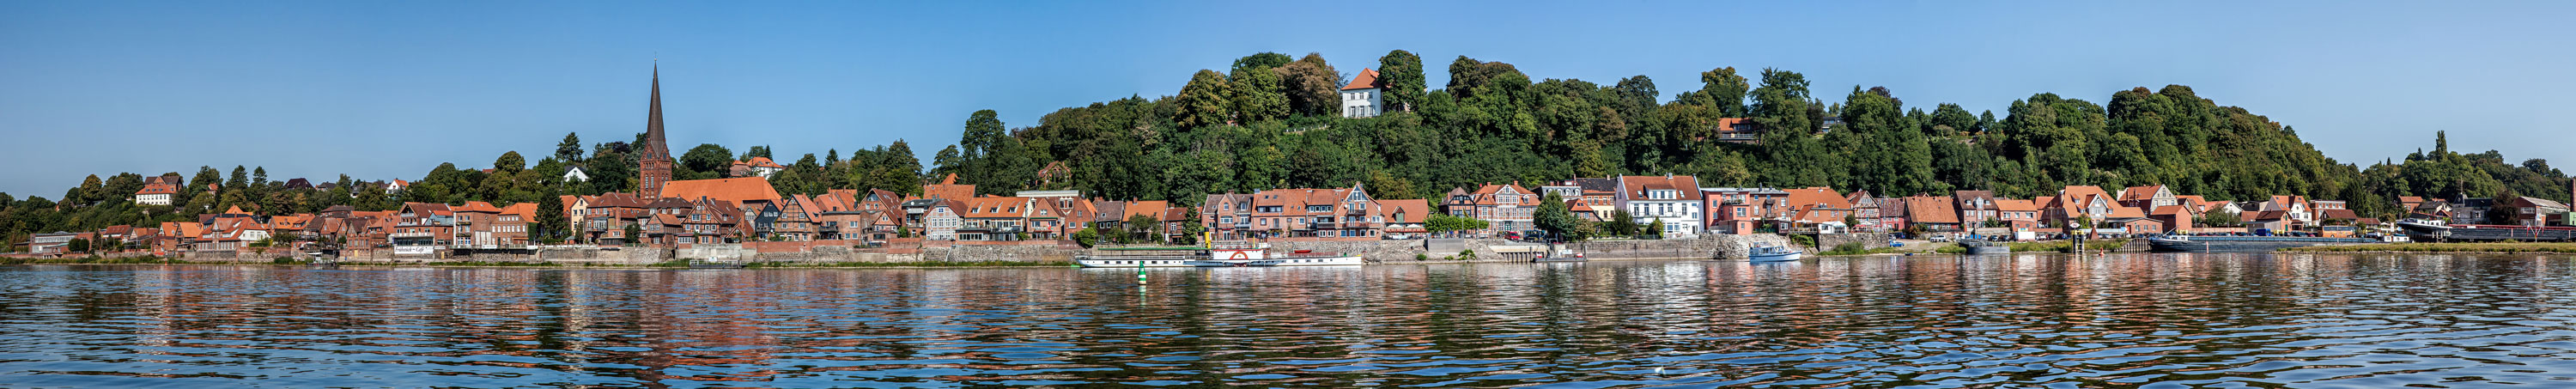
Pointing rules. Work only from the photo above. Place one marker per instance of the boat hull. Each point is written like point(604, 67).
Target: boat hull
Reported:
point(2247, 244)
point(1341, 260)
point(1777, 257)
point(1346, 260)
point(2421, 232)
point(1561, 260)
point(1989, 250)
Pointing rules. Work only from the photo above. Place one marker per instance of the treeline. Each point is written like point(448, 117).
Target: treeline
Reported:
point(1246, 129)
point(1272, 121)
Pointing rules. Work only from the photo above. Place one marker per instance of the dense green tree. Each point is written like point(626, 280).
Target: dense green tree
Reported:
point(707, 161)
point(509, 163)
point(1722, 89)
point(1402, 73)
point(1260, 61)
point(1258, 94)
point(1554, 217)
point(1205, 101)
point(1312, 87)
point(570, 149)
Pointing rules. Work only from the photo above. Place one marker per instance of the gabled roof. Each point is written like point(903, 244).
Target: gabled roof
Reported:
point(2147, 192)
point(2011, 205)
point(158, 188)
point(737, 190)
point(1147, 208)
point(1410, 210)
point(525, 211)
point(760, 162)
point(1367, 79)
point(1931, 209)
point(2079, 196)
point(1965, 196)
point(1686, 187)
point(993, 207)
point(948, 188)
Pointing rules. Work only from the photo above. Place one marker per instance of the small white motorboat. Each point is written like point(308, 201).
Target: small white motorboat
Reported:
point(1771, 253)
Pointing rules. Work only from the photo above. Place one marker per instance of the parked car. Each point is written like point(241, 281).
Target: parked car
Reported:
point(1512, 235)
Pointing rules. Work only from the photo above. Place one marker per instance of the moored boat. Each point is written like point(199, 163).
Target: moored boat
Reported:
point(1771, 253)
point(2438, 231)
point(2204, 244)
point(1985, 247)
point(1216, 254)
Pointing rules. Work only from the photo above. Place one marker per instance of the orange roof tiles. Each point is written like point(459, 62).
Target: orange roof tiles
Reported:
point(1404, 211)
point(1931, 209)
point(736, 190)
point(2011, 205)
point(1367, 79)
point(948, 189)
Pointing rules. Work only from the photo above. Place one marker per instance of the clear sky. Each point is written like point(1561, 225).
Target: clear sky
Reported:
point(381, 90)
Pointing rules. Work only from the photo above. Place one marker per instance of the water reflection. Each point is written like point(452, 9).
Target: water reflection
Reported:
point(2120, 320)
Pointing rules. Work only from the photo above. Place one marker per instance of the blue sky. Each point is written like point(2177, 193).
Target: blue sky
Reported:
point(383, 90)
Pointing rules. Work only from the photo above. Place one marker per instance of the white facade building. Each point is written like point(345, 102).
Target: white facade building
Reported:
point(1673, 200)
point(1365, 96)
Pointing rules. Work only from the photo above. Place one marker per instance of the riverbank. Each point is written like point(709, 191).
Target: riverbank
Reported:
point(150, 260)
point(2460, 248)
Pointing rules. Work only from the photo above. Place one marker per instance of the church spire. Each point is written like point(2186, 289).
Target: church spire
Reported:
point(653, 164)
point(654, 146)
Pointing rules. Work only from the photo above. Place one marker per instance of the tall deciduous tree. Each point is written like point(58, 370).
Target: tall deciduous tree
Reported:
point(1722, 89)
point(1258, 94)
point(1313, 87)
point(1203, 102)
point(1402, 73)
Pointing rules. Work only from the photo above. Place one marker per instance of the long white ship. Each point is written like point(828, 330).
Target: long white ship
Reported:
point(1215, 254)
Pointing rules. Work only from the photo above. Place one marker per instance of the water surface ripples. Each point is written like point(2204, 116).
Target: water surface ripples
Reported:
point(2231, 320)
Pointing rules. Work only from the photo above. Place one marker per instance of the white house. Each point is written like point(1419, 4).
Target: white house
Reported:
point(575, 174)
point(1365, 96)
point(156, 192)
point(1673, 200)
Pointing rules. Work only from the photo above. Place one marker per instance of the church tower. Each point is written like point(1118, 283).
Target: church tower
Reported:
point(654, 165)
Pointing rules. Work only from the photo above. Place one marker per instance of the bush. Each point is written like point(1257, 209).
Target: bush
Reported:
point(1422, 257)
point(1803, 240)
point(1465, 255)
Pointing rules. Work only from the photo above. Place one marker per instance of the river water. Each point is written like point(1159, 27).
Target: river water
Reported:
point(2241, 320)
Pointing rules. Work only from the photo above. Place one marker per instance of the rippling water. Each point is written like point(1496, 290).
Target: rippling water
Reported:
point(2244, 320)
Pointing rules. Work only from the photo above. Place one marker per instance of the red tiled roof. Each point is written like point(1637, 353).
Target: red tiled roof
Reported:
point(992, 207)
point(948, 189)
point(1687, 186)
point(1148, 208)
point(158, 188)
point(2147, 192)
point(736, 190)
point(525, 211)
point(1931, 209)
point(1367, 79)
point(1411, 210)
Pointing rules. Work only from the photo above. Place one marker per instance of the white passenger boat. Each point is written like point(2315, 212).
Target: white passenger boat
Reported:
point(1217, 254)
point(1771, 253)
